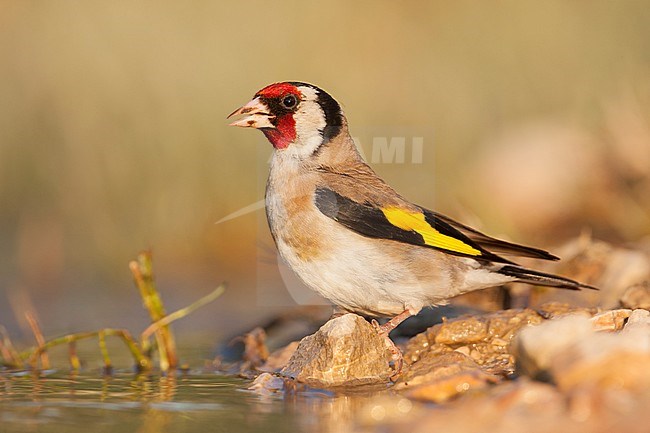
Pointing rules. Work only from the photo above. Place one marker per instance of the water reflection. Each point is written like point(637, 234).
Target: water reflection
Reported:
point(55, 402)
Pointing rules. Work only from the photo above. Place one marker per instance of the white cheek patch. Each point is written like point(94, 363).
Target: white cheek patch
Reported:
point(310, 123)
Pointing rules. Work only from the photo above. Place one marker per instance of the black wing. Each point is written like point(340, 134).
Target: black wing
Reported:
point(423, 229)
point(493, 244)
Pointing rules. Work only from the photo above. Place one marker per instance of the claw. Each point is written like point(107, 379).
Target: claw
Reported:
point(385, 329)
point(398, 359)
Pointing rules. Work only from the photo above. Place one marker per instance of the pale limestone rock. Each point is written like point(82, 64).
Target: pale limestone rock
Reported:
point(346, 350)
point(619, 368)
point(639, 319)
point(572, 353)
point(535, 347)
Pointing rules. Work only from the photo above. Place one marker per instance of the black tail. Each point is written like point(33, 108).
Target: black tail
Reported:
point(542, 279)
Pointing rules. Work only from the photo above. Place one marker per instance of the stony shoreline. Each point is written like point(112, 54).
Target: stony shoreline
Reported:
point(554, 367)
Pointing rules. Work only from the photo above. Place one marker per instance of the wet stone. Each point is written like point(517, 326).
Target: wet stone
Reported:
point(461, 332)
point(266, 383)
point(485, 339)
point(440, 377)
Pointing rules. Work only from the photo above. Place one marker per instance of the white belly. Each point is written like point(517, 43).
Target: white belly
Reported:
point(358, 274)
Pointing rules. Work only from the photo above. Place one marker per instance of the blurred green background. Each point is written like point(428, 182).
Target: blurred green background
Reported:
point(113, 138)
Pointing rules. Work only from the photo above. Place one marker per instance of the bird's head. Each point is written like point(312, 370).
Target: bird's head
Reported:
point(295, 117)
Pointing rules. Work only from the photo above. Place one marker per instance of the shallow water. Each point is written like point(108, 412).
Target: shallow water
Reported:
point(61, 402)
point(199, 400)
point(189, 402)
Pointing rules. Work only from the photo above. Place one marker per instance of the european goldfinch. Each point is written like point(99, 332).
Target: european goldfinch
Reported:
point(351, 237)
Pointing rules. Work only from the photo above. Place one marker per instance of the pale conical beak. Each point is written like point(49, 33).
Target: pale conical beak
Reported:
point(258, 115)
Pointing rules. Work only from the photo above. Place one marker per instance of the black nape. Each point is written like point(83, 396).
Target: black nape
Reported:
point(333, 116)
point(332, 110)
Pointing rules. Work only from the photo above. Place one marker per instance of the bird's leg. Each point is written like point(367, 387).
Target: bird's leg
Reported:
point(384, 330)
point(395, 321)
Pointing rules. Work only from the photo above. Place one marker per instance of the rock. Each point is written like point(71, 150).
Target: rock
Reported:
point(639, 319)
point(419, 345)
point(612, 320)
point(605, 363)
point(572, 353)
point(280, 358)
point(473, 329)
point(266, 383)
point(624, 269)
point(637, 296)
point(552, 310)
point(506, 408)
point(485, 339)
point(612, 269)
point(623, 368)
point(535, 347)
point(521, 406)
point(431, 316)
point(439, 377)
point(255, 351)
point(346, 350)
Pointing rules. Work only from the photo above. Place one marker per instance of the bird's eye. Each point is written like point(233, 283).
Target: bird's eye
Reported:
point(289, 101)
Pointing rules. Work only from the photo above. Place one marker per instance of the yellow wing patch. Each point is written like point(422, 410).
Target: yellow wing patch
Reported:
point(413, 221)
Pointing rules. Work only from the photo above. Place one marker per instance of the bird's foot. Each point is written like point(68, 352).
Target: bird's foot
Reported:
point(396, 353)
